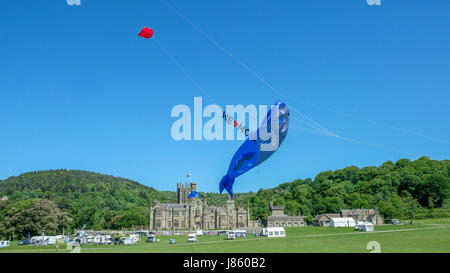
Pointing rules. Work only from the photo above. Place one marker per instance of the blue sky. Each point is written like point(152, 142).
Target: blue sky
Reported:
point(80, 90)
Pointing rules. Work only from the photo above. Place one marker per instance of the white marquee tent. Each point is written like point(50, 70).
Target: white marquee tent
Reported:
point(273, 232)
point(342, 222)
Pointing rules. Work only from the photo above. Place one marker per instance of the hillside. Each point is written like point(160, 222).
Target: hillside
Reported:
point(95, 200)
point(91, 199)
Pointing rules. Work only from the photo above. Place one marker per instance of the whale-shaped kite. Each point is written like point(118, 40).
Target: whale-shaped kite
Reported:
point(259, 146)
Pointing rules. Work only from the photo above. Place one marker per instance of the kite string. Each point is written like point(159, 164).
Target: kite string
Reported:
point(198, 86)
point(376, 145)
point(240, 62)
point(315, 127)
point(270, 86)
point(188, 75)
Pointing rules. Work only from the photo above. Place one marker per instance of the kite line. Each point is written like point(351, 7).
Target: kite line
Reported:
point(315, 126)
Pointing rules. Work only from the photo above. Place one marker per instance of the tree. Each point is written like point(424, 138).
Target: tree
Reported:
point(434, 186)
point(39, 216)
point(410, 206)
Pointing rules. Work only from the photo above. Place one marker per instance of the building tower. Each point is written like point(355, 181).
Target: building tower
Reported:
point(183, 191)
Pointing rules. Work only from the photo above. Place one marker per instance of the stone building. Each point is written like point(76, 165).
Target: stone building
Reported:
point(194, 213)
point(279, 219)
point(323, 220)
point(367, 215)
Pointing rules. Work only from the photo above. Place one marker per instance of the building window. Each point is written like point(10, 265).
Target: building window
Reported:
point(158, 213)
point(176, 213)
point(197, 212)
point(175, 223)
point(158, 224)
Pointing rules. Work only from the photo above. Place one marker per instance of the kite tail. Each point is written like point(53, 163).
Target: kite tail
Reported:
point(226, 183)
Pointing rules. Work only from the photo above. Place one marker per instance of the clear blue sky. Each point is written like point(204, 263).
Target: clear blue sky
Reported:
point(80, 90)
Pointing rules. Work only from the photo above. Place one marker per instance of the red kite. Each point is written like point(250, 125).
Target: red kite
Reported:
point(146, 33)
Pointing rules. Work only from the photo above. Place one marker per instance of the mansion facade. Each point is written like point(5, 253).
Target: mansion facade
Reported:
point(194, 213)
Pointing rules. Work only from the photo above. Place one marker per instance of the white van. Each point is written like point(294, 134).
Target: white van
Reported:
point(231, 235)
point(4, 244)
point(192, 238)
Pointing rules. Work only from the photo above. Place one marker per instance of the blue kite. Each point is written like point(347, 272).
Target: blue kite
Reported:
point(259, 146)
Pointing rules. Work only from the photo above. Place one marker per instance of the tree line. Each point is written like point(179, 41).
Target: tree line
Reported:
point(398, 190)
point(57, 200)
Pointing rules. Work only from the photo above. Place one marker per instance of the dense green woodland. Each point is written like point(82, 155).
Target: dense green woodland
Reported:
point(61, 200)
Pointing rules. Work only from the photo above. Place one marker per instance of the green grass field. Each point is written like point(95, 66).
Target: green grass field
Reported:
point(423, 236)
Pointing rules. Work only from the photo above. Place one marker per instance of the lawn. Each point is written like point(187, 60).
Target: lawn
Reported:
point(431, 235)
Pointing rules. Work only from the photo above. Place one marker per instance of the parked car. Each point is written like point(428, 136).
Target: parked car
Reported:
point(192, 238)
point(80, 241)
point(172, 241)
point(222, 232)
point(115, 240)
point(151, 238)
point(231, 235)
point(396, 222)
point(359, 225)
point(122, 240)
point(23, 242)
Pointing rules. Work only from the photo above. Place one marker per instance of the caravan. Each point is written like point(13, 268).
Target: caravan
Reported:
point(134, 237)
point(129, 241)
point(240, 233)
